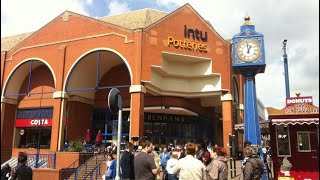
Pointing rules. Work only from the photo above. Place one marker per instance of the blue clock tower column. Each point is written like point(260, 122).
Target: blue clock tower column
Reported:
point(248, 60)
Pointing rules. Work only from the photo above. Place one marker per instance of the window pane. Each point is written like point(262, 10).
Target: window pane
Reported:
point(303, 141)
point(283, 140)
point(31, 138)
point(35, 113)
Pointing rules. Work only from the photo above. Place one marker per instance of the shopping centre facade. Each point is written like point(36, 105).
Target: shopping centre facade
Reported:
point(174, 72)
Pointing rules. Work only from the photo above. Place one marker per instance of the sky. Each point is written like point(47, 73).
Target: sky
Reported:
point(294, 20)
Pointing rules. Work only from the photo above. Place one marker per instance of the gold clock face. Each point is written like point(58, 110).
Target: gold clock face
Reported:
point(248, 50)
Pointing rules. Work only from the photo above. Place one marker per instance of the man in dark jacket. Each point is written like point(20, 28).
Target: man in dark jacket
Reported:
point(127, 162)
point(22, 171)
point(5, 172)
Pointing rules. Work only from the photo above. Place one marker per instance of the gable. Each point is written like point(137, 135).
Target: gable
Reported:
point(185, 16)
point(247, 33)
point(69, 26)
point(135, 19)
point(303, 109)
point(176, 40)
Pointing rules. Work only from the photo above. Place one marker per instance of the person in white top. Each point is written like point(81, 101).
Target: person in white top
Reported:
point(170, 165)
point(190, 167)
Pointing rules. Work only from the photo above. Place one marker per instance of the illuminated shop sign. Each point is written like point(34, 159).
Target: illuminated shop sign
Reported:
point(157, 117)
point(194, 34)
point(34, 117)
point(44, 122)
point(299, 100)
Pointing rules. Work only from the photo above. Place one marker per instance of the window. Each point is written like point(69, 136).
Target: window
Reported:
point(31, 138)
point(35, 113)
point(303, 141)
point(283, 140)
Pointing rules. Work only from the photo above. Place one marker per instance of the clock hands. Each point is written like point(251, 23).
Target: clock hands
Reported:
point(248, 49)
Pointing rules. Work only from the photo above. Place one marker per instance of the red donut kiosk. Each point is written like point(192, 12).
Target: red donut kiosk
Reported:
point(294, 139)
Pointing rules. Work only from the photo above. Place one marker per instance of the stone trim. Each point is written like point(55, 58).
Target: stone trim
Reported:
point(226, 97)
point(137, 88)
point(60, 94)
point(9, 101)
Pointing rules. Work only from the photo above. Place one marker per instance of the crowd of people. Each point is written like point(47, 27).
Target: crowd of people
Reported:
point(190, 162)
point(147, 162)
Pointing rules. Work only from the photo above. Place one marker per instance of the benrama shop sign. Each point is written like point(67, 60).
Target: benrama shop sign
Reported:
point(195, 34)
point(43, 122)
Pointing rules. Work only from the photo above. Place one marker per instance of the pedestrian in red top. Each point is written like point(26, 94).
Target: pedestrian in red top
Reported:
point(87, 138)
point(99, 138)
point(98, 141)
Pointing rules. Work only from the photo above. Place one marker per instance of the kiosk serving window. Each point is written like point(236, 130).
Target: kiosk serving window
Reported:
point(303, 141)
point(283, 140)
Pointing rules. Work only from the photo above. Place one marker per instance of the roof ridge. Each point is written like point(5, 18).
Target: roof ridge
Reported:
point(128, 12)
point(17, 34)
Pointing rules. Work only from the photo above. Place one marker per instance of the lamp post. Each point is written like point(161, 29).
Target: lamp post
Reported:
point(286, 72)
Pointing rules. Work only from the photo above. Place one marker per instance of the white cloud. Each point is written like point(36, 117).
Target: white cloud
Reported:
point(25, 16)
point(165, 3)
point(297, 21)
point(89, 2)
point(116, 7)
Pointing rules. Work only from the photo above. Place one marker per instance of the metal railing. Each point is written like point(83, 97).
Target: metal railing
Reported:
point(70, 169)
point(97, 172)
point(75, 170)
point(44, 160)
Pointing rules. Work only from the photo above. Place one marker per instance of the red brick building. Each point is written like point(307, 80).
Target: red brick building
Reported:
point(173, 70)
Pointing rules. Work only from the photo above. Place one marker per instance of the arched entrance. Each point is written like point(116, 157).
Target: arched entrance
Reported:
point(88, 84)
point(27, 106)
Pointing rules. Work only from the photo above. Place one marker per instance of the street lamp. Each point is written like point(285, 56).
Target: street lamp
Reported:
point(286, 73)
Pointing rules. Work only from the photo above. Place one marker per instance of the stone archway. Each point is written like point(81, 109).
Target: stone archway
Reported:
point(88, 83)
point(29, 86)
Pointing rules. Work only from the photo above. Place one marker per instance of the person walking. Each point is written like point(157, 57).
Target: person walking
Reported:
point(127, 162)
point(190, 167)
point(243, 162)
point(111, 168)
point(98, 142)
point(156, 159)
point(218, 168)
point(144, 165)
point(164, 157)
point(5, 172)
point(22, 171)
point(206, 158)
point(170, 165)
point(253, 167)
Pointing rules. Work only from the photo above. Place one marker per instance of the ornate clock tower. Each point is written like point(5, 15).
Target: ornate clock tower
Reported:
point(249, 59)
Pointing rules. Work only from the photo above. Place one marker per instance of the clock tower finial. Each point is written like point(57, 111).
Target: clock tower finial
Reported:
point(247, 21)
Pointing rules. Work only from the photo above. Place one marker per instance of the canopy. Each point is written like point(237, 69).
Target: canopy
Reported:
point(299, 121)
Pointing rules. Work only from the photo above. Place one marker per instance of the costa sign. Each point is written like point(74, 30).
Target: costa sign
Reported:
point(299, 100)
point(43, 122)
